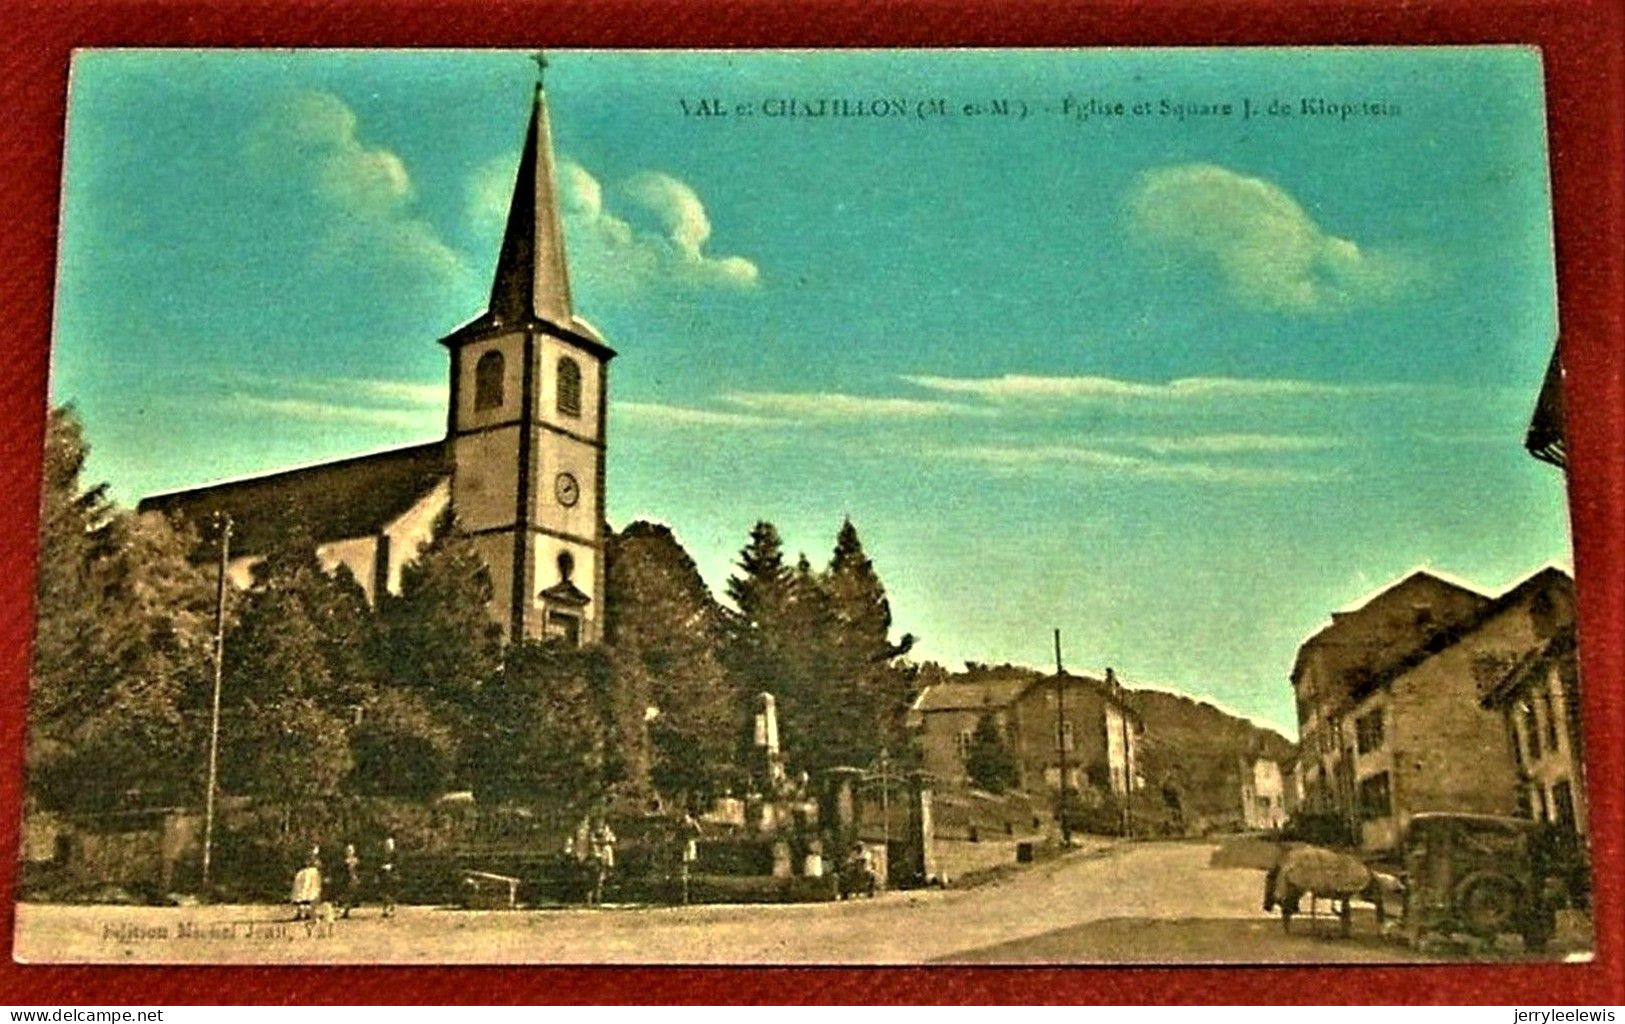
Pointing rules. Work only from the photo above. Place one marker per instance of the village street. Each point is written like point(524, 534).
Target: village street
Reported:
point(1107, 902)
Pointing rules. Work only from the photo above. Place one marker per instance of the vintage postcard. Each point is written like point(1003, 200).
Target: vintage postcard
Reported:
point(758, 507)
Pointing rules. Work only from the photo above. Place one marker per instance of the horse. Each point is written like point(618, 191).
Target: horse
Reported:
point(1325, 874)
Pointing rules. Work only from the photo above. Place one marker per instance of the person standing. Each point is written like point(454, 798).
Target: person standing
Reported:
point(386, 877)
point(352, 879)
point(689, 833)
point(307, 889)
point(603, 855)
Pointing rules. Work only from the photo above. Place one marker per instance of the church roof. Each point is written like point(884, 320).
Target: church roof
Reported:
point(353, 497)
point(532, 282)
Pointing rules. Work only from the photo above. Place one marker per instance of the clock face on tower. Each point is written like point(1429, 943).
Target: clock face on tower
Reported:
point(566, 489)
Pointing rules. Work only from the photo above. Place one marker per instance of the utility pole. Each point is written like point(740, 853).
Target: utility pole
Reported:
point(1060, 741)
point(224, 524)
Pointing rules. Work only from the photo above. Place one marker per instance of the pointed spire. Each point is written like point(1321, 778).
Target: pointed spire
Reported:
point(532, 281)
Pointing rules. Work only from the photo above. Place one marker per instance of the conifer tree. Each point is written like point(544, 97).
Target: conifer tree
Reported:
point(989, 762)
point(753, 629)
point(124, 627)
point(867, 672)
point(761, 590)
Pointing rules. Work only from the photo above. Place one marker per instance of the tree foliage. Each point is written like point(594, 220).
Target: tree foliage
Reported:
point(125, 624)
point(437, 635)
point(290, 751)
point(542, 727)
point(402, 747)
point(663, 633)
point(820, 642)
point(989, 762)
point(325, 695)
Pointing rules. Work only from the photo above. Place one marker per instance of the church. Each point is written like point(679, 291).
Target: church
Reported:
point(521, 465)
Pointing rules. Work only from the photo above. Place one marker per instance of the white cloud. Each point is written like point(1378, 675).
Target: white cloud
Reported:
point(1012, 387)
point(318, 411)
point(651, 231)
point(378, 402)
point(687, 416)
point(365, 192)
point(371, 390)
point(1267, 249)
point(837, 406)
point(1047, 458)
point(1232, 444)
point(490, 189)
point(673, 253)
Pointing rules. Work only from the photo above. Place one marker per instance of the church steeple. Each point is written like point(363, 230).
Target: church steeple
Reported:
point(526, 422)
point(532, 281)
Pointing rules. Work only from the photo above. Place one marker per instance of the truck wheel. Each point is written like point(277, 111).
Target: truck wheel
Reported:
point(1489, 904)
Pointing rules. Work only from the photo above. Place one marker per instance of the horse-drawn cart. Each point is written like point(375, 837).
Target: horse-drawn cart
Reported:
point(1476, 876)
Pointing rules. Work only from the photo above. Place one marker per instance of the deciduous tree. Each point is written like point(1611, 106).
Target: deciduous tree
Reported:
point(663, 633)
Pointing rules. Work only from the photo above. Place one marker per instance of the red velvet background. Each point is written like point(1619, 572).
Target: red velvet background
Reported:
point(1582, 44)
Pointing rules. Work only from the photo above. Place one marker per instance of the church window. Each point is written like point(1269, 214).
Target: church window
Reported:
point(488, 374)
point(569, 387)
point(567, 565)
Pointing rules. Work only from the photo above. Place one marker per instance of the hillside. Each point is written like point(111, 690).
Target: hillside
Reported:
point(1197, 750)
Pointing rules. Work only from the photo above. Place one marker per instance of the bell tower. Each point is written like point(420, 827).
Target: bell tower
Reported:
point(525, 428)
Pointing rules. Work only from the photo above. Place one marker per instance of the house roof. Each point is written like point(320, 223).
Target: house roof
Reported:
point(1384, 629)
point(1545, 440)
point(1443, 639)
point(353, 497)
point(967, 695)
point(1003, 688)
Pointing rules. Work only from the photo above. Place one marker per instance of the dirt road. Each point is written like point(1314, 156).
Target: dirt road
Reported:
point(1129, 902)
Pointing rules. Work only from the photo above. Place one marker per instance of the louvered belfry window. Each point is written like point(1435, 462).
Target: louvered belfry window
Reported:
point(488, 381)
point(569, 385)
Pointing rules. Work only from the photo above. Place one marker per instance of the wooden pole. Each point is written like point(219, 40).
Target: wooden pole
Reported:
point(1060, 740)
point(214, 712)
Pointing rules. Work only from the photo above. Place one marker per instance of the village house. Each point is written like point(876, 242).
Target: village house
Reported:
point(1084, 720)
point(1263, 793)
point(1363, 642)
point(1540, 698)
point(1291, 786)
point(521, 464)
point(1539, 703)
point(1413, 735)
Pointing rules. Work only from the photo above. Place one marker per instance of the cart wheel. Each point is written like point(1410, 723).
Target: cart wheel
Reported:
point(1488, 904)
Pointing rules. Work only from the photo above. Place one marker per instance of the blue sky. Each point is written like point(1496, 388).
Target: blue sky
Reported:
point(1178, 385)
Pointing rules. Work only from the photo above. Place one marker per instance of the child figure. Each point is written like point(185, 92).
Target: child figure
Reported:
point(307, 890)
